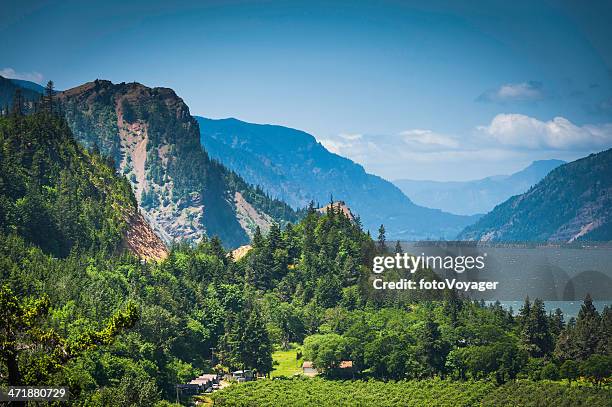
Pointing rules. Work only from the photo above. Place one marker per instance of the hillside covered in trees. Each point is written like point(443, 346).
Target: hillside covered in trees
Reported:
point(150, 138)
point(119, 331)
point(61, 197)
point(80, 310)
point(572, 203)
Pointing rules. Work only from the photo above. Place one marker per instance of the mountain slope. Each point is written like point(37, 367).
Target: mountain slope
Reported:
point(573, 202)
point(56, 195)
point(29, 85)
point(154, 142)
point(30, 93)
point(291, 165)
point(478, 196)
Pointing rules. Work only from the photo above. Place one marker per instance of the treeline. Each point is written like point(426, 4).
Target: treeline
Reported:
point(473, 342)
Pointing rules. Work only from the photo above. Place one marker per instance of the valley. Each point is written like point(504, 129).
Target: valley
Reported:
point(118, 277)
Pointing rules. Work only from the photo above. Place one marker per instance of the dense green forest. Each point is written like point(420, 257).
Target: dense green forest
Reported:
point(79, 310)
point(54, 193)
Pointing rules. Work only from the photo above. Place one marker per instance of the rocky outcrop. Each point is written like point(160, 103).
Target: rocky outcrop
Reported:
point(154, 142)
point(339, 206)
point(141, 240)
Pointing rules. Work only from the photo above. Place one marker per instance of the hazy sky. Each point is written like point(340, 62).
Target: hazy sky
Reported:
point(423, 90)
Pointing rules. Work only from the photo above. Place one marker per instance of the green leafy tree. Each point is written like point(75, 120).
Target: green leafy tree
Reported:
point(596, 368)
point(325, 351)
point(550, 372)
point(31, 352)
point(569, 370)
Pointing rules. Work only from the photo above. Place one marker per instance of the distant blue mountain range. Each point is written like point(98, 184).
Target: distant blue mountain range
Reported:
point(291, 165)
point(28, 85)
point(478, 196)
point(572, 203)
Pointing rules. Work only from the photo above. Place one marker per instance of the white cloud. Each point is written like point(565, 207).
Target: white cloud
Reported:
point(427, 138)
point(517, 130)
point(348, 136)
point(364, 147)
point(506, 144)
point(514, 92)
point(27, 76)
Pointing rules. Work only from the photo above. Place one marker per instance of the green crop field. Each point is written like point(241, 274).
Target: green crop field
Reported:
point(435, 392)
point(321, 392)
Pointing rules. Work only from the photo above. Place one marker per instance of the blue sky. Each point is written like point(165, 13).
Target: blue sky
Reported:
point(422, 90)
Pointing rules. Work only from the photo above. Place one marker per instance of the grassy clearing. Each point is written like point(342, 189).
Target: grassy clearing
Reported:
point(288, 365)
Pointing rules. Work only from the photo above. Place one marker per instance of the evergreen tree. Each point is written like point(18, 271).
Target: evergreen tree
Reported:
point(535, 334)
point(524, 312)
point(604, 347)
point(382, 240)
point(274, 237)
point(586, 334)
point(17, 109)
point(452, 306)
point(48, 99)
point(258, 240)
point(328, 291)
point(556, 322)
point(253, 349)
point(583, 337)
point(433, 348)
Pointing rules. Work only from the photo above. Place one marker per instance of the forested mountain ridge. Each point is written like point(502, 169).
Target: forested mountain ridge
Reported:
point(29, 92)
point(154, 142)
point(57, 195)
point(477, 196)
point(291, 165)
point(573, 202)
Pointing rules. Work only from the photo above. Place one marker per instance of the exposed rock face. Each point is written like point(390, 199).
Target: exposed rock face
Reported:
point(154, 142)
point(242, 251)
point(142, 241)
point(574, 202)
point(249, 217)
point(338, 206)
